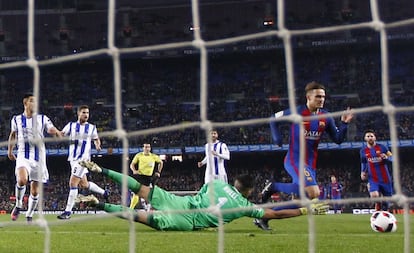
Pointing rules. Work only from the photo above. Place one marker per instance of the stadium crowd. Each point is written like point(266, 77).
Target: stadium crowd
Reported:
point(161, 96)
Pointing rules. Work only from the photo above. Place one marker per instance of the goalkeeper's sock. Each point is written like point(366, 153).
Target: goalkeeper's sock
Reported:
point(134, 201)
point(132, 184)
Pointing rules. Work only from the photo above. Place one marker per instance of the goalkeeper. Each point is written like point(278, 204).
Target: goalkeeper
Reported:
point(225, 196)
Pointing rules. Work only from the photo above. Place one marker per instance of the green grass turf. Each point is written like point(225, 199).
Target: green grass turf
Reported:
point(335, 233)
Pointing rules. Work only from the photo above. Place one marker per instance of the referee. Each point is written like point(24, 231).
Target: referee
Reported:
point(146, 168)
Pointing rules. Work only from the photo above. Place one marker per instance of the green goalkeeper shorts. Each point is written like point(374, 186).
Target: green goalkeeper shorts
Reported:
point(162, 200)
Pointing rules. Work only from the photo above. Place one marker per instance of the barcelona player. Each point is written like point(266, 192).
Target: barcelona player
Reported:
point(313, 131)
point(375, 158)
point(335, 192)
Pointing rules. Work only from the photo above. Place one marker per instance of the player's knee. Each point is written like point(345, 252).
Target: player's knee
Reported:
point(21, 182)
point(374, 194)
point(84, 185)
point(34, 192)
point(313, 192)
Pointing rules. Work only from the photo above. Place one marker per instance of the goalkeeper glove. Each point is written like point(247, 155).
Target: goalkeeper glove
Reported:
point(316, 209)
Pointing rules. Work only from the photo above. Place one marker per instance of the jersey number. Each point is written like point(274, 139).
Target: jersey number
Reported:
point(221, 202)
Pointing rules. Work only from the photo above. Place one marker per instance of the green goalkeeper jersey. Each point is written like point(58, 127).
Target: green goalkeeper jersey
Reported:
point(225, 196)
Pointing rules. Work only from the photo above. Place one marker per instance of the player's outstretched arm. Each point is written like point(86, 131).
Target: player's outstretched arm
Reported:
point(281, 214)
point(315, 209)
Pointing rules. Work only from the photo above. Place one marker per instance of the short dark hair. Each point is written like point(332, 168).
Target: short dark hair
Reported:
point(81, 107)
point(27, 95)
point(369, 131)
point(313, 86)
point(246, 182)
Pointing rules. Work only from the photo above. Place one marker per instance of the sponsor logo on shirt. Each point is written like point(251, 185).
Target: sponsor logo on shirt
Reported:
point(376, 159)
point(313, 135)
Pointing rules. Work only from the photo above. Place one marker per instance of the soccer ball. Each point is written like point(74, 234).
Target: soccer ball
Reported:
point(383, 221)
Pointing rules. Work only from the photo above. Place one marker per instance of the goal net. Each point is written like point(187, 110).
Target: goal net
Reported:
point(171, 71)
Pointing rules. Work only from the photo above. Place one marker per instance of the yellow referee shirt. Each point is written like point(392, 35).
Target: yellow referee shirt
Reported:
point(146, 163)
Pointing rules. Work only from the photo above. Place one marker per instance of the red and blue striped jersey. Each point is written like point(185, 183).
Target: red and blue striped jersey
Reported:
point(373, 164)
point(313, 131)
point(335, 190)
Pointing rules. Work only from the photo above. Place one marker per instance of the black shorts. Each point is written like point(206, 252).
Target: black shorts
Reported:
point(145, 180)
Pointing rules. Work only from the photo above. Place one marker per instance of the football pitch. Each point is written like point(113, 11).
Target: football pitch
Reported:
point(341, 233)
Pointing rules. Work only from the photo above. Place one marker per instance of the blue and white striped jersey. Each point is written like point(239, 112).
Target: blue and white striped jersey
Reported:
point(27, 131)
point(81, 136)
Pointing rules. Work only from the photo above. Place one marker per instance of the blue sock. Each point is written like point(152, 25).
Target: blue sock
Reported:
point(288, 188)
point(286, 207)
point(385, 205)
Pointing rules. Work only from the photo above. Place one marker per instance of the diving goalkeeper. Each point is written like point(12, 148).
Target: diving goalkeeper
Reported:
point(225, 196)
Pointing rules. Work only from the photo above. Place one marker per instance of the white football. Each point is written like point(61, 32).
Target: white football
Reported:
point(383, 221)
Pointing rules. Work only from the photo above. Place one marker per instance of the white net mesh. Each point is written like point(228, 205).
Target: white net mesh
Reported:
point(289, 39)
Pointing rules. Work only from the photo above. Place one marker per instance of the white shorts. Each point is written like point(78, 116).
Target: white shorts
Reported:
point(77, 169)
point(208, 178)
point(37, 170)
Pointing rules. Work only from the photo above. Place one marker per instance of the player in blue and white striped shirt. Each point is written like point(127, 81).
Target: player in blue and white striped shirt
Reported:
point(27, 133)
point(81, 134)
point(215, 156)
